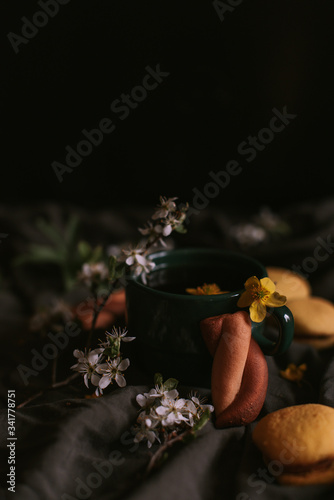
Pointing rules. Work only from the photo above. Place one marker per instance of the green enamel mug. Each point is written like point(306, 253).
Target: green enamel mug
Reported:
point(166, 320)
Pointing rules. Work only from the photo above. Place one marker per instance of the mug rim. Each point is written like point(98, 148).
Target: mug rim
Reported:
point(194, 250)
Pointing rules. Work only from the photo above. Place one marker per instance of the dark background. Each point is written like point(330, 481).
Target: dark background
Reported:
point(225, 79)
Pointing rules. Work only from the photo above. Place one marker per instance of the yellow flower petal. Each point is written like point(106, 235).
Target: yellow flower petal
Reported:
point(245, 299)
point(257, 312)
point(268, 284)
point(252, 282)
point(192, 291)
point(276, 300)
point(206, 289)
point(293, 372)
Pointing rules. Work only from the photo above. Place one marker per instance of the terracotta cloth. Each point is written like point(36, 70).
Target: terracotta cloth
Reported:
point(70, 447)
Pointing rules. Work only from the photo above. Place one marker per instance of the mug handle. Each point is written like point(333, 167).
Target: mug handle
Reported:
point(284, 319)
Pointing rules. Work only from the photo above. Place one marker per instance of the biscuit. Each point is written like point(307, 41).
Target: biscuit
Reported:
point(297, 443)
point(314, 321)
point(289, 283)
point(239, 377)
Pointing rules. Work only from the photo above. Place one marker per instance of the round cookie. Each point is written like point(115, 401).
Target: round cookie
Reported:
point(314, 321)
point(297, 443)
point(289, 283)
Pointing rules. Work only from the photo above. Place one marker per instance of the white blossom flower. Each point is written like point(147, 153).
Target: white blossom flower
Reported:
point(88, 365)
point(91, 272)
point(146, 433)
point(248, 234)
point(148, 398)
point(112, 370)
point(52, 316)
point(165, 230)
point(166, 206)
point(148, 428)
point(163, 413)
point(140, 264)
point(199, 402)
point(153, 233)
point(132, 254)
point(267, 219)
point(194, 408)
point(171, 412)
point(116, 334)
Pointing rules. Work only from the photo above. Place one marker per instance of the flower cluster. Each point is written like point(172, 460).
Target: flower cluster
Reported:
point(51, 317)
point(140, 264)
point(163, 413)
point(166, 219)
point(93, 273)
point(103, 365)
point(262, 228)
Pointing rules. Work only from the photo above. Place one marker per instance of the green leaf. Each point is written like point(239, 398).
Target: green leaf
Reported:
point(39, 253)
point(112, 266)
point(51, 233)
point(84, 250)
point(202, 421)
point(97, 254)
point(113, 350)
point(158, 379)
point(71, 230)
point(181, 229)
point(120, 270)
point(171, 384)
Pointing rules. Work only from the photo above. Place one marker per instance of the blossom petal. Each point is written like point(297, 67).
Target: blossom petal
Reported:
point(180, 403)
point(141, 399)
point(124, 364)
point(120, 380)
point(141, 259)
point(257, 311)
point(162, 410)
point(92, 357)
point(252, 282)
point(172, 394)
point(245, 299)
point(77, 353)
point(167, 230)
point(268, 284)
point(95, 379)
point(101, 368)
point(130, 260)
point(276, 300)
point(104, 382)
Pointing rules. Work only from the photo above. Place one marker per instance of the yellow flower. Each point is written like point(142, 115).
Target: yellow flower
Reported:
point(205, 289)
point(258, 295)
point(293, 372)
